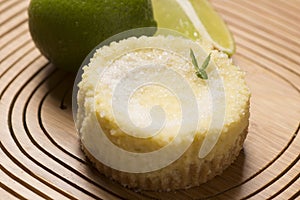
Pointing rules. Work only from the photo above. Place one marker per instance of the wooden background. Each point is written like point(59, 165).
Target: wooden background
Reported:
point(40, 155)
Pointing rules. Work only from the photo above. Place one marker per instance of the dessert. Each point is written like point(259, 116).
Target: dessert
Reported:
point(147, 121)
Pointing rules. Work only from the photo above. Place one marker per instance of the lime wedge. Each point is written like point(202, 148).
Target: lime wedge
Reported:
point(195, 19)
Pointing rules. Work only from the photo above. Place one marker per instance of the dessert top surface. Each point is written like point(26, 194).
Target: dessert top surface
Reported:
point(147, 86)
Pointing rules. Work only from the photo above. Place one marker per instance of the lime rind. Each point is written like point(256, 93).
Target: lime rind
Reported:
point(196, 19)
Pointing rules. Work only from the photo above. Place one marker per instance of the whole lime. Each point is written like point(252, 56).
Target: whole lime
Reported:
point(65, 31)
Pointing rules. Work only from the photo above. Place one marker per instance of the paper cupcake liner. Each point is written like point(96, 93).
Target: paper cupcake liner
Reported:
point(173, 177)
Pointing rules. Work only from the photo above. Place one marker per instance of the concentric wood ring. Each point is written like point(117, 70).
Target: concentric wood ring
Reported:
point(40, 150)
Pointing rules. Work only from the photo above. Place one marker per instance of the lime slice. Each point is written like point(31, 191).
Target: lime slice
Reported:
point(196, 19)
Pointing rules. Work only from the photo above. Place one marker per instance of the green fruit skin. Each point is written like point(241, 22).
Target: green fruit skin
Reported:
point(65, 31)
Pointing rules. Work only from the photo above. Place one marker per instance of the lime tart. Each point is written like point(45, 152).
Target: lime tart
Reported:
point(149, 121)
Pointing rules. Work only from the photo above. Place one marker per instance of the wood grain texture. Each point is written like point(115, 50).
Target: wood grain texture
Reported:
point(40, 150)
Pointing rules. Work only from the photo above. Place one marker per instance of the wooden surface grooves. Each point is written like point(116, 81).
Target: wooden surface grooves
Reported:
point(40, 151)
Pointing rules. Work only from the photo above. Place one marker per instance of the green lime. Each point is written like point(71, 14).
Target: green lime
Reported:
point(65, 31)
point(196, 19)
